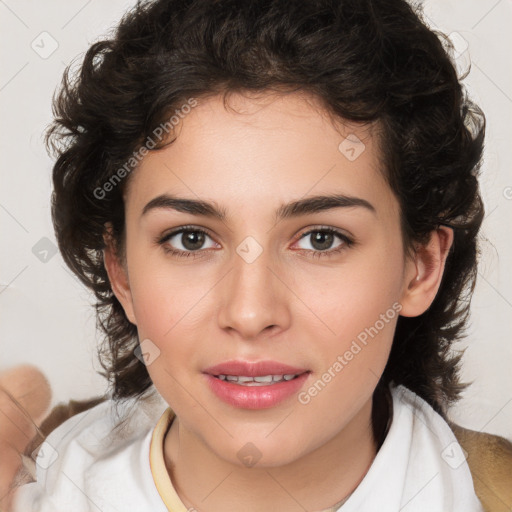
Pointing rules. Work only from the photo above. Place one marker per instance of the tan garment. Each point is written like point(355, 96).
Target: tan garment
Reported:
point(490, 462)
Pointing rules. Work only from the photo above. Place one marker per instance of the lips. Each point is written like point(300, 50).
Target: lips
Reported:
point(257, 369)
point(259, 385)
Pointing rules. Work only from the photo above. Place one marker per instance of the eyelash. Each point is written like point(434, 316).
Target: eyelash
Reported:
point(347, 242)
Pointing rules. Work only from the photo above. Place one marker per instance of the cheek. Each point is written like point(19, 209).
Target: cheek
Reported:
point(171, 312)
point(347, 300)
point(167, 311)
point(352, 357)
point(356, 309)
point(170, 319)
point(165, 296)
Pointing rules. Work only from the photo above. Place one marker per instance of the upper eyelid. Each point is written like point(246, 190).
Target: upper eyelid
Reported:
point(337, 231)
point(182, 229)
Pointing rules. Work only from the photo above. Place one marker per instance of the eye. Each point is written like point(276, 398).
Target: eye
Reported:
point(185, 241)
point(322, 240)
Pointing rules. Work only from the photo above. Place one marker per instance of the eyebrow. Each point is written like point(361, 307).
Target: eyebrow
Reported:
point(293, 209)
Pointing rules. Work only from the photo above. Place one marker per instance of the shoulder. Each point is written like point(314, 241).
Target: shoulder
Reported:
point(435, 456)
point(90, 454)
point(487, 457)
point(98, 426)
point(98, 413)
point(490, 460)
point(423, 419)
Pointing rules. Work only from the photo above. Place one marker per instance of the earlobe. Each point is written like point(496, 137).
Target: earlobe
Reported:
point(424, 272)
point(118, 276)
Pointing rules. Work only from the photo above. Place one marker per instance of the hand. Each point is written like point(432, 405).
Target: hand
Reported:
point(25, 397)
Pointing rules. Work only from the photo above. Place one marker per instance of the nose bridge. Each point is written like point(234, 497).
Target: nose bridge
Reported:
point(251, 299)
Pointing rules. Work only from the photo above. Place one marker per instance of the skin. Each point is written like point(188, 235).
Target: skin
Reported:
point(25, 397)
point(287, 305)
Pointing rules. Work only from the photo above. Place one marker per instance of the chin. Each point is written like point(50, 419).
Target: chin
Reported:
point(259, 452)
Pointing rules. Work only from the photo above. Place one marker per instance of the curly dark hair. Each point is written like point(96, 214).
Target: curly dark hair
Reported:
point(365, 60)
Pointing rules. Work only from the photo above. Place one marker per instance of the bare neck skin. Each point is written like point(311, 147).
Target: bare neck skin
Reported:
point(315, 482)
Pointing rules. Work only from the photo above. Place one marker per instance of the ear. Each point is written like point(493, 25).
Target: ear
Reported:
point(118, 274)
point(424, 272)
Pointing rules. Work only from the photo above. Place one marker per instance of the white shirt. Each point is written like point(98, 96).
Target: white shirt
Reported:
point(86, 466)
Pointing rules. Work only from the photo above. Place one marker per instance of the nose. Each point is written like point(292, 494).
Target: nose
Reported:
point(253, 301)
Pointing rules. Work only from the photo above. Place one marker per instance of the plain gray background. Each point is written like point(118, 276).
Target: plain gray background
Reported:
point(46, 318)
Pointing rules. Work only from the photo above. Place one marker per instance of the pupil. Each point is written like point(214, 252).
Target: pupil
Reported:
point(193, 240)
point(324, 240)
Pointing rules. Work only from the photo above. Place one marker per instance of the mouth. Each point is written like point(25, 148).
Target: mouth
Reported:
point(255, 385)
point(262, 380)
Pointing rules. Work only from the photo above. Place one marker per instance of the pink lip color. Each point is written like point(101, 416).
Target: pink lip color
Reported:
point(254, 397)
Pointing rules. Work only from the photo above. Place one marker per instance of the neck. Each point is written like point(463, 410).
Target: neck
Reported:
point(316, 481)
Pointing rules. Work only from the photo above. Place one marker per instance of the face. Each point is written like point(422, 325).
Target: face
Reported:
point(318, 290)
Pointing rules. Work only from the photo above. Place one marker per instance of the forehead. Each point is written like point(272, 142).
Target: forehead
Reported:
point(259, 150)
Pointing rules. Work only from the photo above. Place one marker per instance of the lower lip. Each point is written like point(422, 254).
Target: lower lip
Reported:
point(255, 397)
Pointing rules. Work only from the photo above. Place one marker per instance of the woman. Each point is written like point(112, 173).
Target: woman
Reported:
point(277, 208)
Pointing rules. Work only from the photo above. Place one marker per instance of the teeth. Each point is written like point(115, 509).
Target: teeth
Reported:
point(256, 381)
point(264, 378)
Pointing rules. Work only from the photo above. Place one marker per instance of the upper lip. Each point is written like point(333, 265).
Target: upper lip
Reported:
point(253, 369)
